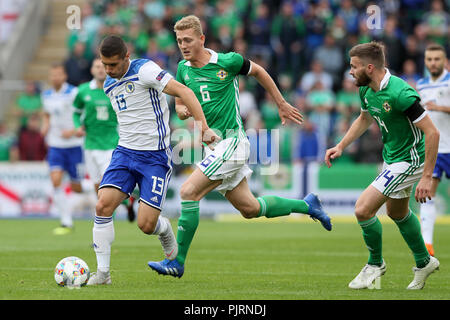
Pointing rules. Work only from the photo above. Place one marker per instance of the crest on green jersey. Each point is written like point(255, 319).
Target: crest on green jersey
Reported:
point(386, 106)
point(222, 74)
point(129, 87)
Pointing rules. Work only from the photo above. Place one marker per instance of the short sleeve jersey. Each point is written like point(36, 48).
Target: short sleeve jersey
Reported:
point(403, 141)
point(438, 91)
point(59, 105)
point(216, 86)
point(98, 117)
point(141, 106)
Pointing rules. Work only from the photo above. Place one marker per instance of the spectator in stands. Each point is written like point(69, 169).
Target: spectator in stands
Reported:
point(28, 102)
point(31, 143)
point(307, 149)
point(157, 55)
point(320, 101)
point(330, 57)
point(348, 156)
point(370, 146)
point(409, 73)
point(392, 39)
point(437, 23)
point(314, 75)
point(348, 102)
point(412, 52)
point(350, 15)
point(247, 105)
point(77, 66)
point(8, 147)
point(259, 33)
point(269, 113)
point(287, 33)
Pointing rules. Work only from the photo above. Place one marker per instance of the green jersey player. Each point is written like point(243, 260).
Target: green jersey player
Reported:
point(410, 149)
point(95, 118)
point(213, 77)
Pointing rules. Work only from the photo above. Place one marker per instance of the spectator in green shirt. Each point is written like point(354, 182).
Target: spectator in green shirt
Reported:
point(27, 103)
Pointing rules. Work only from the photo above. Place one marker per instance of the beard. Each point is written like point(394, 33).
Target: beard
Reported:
point(437, 73)
point(362, 80)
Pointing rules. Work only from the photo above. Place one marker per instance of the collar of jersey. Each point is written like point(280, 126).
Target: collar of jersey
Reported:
point(213, 59)
point(443, 75)
point(62, 89)
point(93, 84)
point(385, 81)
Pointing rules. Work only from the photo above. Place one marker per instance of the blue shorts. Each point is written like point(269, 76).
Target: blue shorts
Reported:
point(150, 170)
point(442, 165)
point(67, 159)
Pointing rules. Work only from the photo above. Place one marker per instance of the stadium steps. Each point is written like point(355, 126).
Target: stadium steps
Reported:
point(52, 48)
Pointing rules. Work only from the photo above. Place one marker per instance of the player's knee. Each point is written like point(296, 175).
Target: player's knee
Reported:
point(102, 208)
point(147, 226)
point(187, 192)
point(249, 211)
point(362, 213)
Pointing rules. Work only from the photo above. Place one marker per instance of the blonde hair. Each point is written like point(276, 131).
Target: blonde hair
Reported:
point(189, 22)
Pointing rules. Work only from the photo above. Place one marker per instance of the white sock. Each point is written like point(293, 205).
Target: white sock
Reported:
point(103, 236)
point(161, 226)
point(427, 220)
point(63, 207)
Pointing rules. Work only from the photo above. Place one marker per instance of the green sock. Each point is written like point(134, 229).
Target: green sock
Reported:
point(409, 227)
point(372, 233)
point(187, 225)
point(273, 206)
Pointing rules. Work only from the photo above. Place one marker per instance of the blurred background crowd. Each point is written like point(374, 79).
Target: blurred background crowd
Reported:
point(302, 44)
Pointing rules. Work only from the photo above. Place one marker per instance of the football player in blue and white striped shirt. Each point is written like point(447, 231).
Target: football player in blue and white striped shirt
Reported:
point(434, 91)
point(143, 156)
point(64, 152)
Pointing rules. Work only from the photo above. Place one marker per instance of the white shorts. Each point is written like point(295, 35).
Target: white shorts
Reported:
point(397, 179)
point(227, 162)
point(96, 163)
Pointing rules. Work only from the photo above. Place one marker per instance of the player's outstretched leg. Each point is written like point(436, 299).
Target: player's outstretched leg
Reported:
point(315, 210)
point(243, 200)
point(273, 206)
point(167, 267)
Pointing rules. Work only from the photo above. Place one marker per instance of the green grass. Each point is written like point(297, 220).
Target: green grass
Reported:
point(228, 260)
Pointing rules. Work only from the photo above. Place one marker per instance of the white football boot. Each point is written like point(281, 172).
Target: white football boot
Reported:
point(421, 274)
point(99, 277)
point(367, 276)
point(169, 242)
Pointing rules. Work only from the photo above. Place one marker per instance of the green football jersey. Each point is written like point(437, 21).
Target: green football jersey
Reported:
point(216, 86)
point(93, 109)
point(403, 141)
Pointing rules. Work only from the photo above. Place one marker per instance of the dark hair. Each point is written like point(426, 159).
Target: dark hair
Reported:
point(372, 52)
point(435, 47)
point(112, 46)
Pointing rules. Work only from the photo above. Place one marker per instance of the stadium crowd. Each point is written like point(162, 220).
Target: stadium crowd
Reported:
point(303, 44)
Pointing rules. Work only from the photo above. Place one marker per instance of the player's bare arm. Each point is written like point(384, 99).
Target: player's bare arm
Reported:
point(45, 123)
point(182, 111)
point(434, 107)
point(358, 127)
point(194, 108)
point(423, 189)
point(286, 111)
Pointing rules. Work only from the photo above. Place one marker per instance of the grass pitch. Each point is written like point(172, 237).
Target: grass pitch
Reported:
point(284, 259)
